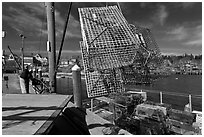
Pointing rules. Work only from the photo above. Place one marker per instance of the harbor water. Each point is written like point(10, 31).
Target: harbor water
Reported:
point(182, 84)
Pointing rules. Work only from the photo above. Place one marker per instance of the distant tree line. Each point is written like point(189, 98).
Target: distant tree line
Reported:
point(174, 58)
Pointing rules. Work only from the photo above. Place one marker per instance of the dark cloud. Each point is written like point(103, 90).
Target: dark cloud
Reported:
point(176, 26)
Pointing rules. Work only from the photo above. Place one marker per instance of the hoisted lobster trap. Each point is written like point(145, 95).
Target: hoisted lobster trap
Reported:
point(108, 44)
point(148, 52)
point(102, 82)
point(109, 41)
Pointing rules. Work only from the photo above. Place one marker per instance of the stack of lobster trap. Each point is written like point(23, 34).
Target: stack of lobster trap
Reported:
point(158, 118)
point(183, 122)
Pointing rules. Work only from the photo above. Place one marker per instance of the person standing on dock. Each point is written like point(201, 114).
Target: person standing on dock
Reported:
point(25, 77)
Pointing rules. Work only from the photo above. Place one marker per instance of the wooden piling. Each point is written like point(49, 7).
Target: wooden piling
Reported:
point(77, 87)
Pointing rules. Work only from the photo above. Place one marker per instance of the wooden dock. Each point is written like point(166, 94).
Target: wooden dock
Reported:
point(28, 114)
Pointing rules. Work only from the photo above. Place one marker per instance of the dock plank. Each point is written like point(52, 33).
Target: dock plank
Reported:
point(28, 114)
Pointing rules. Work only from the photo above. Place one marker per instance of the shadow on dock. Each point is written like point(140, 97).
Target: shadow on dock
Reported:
point(72, 121)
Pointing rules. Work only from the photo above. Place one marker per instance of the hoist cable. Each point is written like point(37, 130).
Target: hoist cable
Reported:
point(63, 37)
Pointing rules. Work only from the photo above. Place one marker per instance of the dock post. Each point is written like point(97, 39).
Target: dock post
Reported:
point(190, 103)
point(92, 105)
point(77, 87)
point(161, 102)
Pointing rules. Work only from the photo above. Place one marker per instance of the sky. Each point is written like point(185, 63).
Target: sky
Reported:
point(176, 26)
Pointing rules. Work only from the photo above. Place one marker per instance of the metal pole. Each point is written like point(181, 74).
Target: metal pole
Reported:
point(190, 103)
point(77, 87)
point(22, 50)
point(161, 98)
point(52, 48)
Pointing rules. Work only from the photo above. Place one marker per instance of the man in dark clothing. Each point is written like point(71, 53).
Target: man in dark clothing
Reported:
point(25, 77)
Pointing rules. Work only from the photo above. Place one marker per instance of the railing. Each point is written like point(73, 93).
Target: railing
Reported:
point(161, 97)
point(161, 93)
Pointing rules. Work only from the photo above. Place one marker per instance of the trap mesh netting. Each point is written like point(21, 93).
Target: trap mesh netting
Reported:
point(148, 52)
point(147, 44)
point(109, 40)
point(100, 83)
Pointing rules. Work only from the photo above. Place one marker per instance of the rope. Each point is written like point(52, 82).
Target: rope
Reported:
point(63, 37)
point(118, 4)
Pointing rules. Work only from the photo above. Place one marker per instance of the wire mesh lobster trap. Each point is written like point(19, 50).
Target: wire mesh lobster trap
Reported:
point(99, 83)
point(109, 40)
point(148, 52)
point(147, 44)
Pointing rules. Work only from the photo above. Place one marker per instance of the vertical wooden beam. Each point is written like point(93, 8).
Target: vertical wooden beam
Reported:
point(52, 47)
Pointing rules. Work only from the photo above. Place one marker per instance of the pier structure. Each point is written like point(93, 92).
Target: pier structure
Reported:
point(97, 71)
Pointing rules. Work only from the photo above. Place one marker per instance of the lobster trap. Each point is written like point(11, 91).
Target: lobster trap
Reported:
point(148, 52)
point(99, 83)
point(109, 41)
point(147, 44)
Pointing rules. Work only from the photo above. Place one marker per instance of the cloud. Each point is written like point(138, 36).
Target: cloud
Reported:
point(195, 37)
point(178, 33)
point(30, 19)
point(73, 28)
point(22, 21)
point(143, 4)
point(190, 36)
point(144, 24)
point(160, 15)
